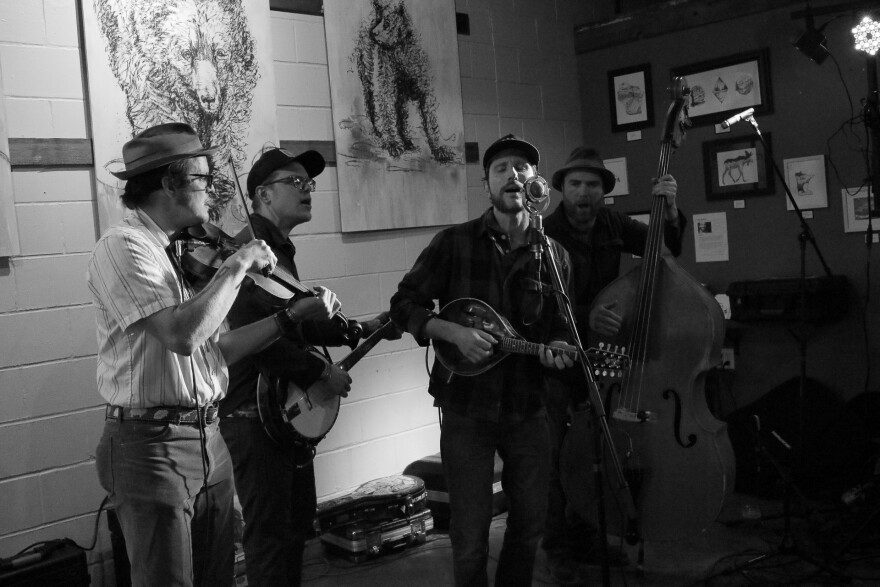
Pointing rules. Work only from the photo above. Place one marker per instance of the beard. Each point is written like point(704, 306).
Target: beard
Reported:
point(503, 203)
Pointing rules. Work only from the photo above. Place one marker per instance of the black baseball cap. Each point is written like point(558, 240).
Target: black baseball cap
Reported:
point(272, 159)
point(507, 143)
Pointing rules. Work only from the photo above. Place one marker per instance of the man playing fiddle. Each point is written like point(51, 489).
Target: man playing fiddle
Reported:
point(595, 238)
point(162, 365)
point(276, 482)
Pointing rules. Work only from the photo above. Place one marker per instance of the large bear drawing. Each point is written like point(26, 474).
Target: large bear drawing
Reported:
point(394, 72)
point(185, 60)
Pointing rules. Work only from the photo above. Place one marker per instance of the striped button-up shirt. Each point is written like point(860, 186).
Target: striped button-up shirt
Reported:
point(132, 277)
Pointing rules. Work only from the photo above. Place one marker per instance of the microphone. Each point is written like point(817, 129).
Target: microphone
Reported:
point(734, 119)
point(536, 231)
point(536, 189)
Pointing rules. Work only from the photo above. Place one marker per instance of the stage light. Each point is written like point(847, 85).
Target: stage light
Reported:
point(812, 44)
point(867, 36)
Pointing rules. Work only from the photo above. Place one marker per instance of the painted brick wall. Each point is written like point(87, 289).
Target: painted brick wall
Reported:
point(518, 75)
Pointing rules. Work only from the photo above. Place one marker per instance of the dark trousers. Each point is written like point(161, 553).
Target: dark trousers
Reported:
point(468, 450)
point(177, 531)
point(278, 502)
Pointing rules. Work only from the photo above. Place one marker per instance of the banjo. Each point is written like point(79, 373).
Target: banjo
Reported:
point(291, 415)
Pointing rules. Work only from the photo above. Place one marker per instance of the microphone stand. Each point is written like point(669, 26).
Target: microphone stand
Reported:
point(788, 545)
point(805, 236)
point(601, 431)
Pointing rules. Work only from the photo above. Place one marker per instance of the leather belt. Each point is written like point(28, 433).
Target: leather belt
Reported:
point(167, 414)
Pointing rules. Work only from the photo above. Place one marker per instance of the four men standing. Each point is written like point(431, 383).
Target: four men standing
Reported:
point(164, 353)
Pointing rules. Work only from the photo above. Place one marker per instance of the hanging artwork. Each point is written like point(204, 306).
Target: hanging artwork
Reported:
point(207, 63)
point(720, 87)
point(398, 123)
point(805, 177)
point(632, 106)
point(617, 166)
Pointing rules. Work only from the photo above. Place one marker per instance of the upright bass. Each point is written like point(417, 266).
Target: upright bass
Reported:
point(676, 456)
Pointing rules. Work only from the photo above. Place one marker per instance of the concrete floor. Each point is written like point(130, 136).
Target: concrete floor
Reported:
point(705, 560)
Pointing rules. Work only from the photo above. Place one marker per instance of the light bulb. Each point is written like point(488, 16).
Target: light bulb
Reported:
point(867, 36)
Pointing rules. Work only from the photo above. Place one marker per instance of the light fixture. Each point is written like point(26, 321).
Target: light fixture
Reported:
point(867, 36)
point(812, 42)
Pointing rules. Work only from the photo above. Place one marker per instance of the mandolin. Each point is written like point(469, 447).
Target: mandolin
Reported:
point(475, 313)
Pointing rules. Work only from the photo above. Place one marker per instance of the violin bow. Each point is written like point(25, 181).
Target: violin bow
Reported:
point(267, 270)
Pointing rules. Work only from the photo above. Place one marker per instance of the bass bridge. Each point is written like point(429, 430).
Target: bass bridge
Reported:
point(634, 416)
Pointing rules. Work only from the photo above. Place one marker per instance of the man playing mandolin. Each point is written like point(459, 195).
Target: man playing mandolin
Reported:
point(595, 238)
point(275, 478)
point(500, 408)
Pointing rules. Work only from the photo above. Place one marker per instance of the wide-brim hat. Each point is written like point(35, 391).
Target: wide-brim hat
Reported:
point(160, 145)
point(272, 159)
point(511, 143)
point(588, 160)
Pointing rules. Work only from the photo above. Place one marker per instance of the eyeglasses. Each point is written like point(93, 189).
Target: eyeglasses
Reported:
point(300, 183)
point(209, 179)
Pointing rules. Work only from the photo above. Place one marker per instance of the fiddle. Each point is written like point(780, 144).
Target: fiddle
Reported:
point(206, 247)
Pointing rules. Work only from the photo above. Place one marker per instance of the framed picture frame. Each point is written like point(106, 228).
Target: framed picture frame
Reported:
point(629, 93)
point(805, 177)
point(617, 166)
point(721, 87)
point(856, 209)
point(737, 167)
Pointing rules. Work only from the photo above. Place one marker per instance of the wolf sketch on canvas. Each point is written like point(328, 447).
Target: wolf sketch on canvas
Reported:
point(185, 60)
point(394, 73)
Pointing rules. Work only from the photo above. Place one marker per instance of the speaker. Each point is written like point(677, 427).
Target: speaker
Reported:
point(832, 442)
point(60, 564)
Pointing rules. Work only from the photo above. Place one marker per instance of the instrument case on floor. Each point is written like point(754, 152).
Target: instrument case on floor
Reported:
point(430, 470)
point(365, 539)
point(379, 500)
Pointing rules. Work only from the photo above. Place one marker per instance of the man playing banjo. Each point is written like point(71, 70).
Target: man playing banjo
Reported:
point(275, 477)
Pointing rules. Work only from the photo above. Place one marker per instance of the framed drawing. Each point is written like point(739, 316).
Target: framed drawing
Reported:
point(395, 88)
point(721, 87)
point(856, 209)
point(629, 92)
point(618, 168)
point(202, 63)
point(805, 177)
point(736, 167)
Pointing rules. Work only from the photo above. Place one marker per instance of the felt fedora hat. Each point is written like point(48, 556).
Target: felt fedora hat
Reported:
point(160, 145)
point(588, 160)
point(272, 159)
point(511, 143)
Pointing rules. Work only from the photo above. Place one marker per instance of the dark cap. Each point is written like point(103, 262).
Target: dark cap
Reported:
point(508, 143)
point(160, 145)
point(589, 160)
point(272, 159)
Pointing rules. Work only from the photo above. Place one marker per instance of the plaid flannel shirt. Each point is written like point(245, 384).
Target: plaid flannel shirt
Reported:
point(474, 260)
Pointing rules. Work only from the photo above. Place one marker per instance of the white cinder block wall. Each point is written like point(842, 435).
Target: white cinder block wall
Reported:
point(518, 75)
